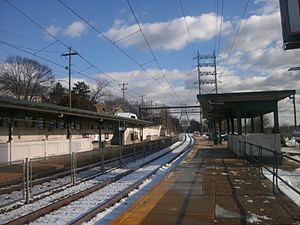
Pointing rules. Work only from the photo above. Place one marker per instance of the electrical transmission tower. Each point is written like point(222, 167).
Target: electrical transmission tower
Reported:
point(207, 72)
point(123, 89)
point(184, 119)
point(206, 67)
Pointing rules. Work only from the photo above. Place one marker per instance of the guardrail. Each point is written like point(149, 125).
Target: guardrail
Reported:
point(255, 159)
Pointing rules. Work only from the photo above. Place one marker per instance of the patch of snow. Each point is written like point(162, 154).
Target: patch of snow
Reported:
point(292, 178)
point(256, 218)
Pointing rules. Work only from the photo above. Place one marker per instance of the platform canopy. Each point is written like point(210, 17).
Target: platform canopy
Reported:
point(10, 107)
point(217, 107)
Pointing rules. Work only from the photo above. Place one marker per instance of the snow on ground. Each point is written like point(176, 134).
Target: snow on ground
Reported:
point(110, 213)
point(67, 214)
point(46, 187)
point(293, 178)
point(27, 208)
point(257, 218)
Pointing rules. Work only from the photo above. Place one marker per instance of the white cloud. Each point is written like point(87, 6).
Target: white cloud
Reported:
point(76, 29)
point(53, 29)
point(256, 32)
point(170, 35)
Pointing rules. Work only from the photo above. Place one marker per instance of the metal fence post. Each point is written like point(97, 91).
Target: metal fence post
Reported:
point(27, 181)
point(73, 168)
point(245, 151)
point(260, 162)
point(24, 178)
point(30, 177)
point(276, 153)
point(273, 173)
point(144, 149)
point(134, 151)
point(251, 155)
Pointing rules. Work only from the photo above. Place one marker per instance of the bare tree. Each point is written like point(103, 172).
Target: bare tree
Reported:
point(25, 78)
point(98, 91)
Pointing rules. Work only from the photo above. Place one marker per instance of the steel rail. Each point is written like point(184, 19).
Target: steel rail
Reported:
point(63, 202)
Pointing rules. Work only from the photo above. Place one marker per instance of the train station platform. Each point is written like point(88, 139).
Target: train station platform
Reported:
point(211, 186)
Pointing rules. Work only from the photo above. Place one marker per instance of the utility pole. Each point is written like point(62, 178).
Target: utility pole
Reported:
point(142, 96)
point(123, 89)
point(70, 54)
point(72, 154)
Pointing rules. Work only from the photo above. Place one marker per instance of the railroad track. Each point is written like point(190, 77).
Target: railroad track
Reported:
point(112, 181)
point(59, 182)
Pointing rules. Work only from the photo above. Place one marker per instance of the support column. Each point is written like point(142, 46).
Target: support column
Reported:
point(276, 119)
point(134, 143)
point(295, 115)
point(142, 133)
point(72, 156)
point(252, 125)
point(10, 134)
point(101, 147)
point(214, 133)
point(261, 120)
point(239, 124)
point(120, 143)
point(220, 129)
point(228, 125)
point(245, 120)
point(232, 125)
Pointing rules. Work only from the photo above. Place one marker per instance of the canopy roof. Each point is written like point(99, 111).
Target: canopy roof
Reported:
point(14, 107)
point(245, 104)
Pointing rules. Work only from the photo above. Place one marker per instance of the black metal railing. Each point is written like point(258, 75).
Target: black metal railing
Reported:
point(256, 159)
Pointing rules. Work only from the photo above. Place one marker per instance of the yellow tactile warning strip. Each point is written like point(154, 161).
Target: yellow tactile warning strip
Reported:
point(210, 186)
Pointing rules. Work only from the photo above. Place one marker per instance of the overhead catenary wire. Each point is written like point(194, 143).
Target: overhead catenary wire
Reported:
point(37, 24)
point(57, 40)
point(220, 30)
point(118, 47)
point(150, 49)
point(41, 57)
point(187, 27)
point(55, 63)
point(238, 29)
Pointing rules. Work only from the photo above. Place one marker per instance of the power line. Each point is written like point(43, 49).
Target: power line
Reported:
point(217, 20)
point(57, 40)
point(33, 21)
point(187, 27)
point(221, 26)
point(57, 64)
point(239, 27)
point(150, 49)
point(113, 43)
point(20, 49)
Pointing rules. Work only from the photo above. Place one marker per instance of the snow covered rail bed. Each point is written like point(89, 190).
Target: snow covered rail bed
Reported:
point(124, 193)
point(87, 207)
point(93, 190)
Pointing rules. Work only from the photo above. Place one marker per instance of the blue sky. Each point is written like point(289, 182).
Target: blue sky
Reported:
point(256, 62)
